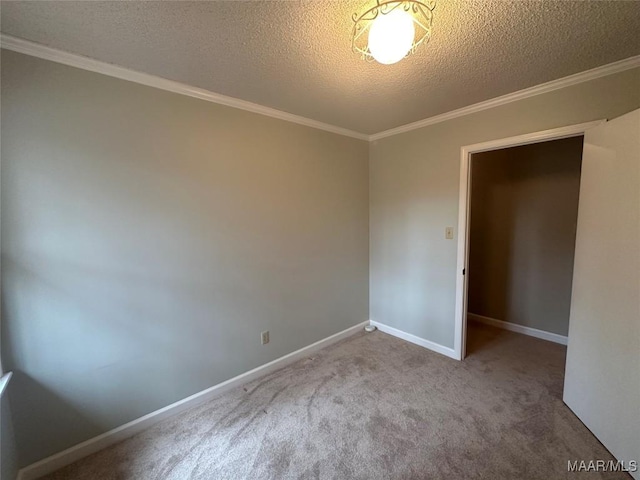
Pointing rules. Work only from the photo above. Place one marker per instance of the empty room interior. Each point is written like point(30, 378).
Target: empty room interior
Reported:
point(374, 239)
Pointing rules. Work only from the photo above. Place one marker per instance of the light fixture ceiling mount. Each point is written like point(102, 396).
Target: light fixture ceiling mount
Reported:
point(391, 30)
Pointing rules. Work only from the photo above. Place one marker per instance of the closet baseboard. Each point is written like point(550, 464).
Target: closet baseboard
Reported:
point(514, 327)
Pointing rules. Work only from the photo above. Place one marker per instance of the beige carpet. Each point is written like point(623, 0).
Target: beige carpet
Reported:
point(375, 407)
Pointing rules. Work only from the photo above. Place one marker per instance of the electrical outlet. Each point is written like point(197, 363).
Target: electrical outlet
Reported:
point(264, 337)
point(448, 233)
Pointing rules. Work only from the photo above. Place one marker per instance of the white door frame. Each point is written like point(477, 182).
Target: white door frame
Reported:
point(463, 211)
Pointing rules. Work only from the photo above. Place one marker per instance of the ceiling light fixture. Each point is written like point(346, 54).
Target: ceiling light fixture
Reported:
point(391, 30)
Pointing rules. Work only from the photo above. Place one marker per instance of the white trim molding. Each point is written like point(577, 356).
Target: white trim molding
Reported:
point(463, 211)
point(71, 59)
point(514, 327)
point(598, 72)
point(534, 137)
point(436, 347)
point(55, 55)
point(95, 444)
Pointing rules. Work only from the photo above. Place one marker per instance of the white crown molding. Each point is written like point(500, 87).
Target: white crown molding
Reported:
point(53, 54)
point(598, 72)
point(48, 53)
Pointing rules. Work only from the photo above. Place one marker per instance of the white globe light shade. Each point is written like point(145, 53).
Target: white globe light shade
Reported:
point(391, 36)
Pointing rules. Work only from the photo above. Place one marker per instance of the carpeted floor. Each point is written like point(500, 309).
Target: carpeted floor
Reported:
point(375, 407)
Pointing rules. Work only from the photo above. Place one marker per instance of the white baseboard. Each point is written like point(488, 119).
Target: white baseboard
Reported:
point(436, 347)
point(72, 454)
point(514, 327)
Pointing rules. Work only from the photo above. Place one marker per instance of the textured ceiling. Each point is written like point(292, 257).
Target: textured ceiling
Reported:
point(296, 57)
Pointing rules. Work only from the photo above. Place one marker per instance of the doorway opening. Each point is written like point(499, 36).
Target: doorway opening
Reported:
point(522, 229)
point(516, 268)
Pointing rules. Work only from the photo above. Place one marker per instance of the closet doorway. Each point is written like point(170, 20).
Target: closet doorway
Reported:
point(469, 154)
point(605, 294)
point(523, 215)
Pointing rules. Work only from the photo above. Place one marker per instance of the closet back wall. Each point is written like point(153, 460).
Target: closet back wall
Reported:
point(148, 238)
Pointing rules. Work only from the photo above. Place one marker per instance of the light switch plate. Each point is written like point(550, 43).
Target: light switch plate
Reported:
point(448, 233)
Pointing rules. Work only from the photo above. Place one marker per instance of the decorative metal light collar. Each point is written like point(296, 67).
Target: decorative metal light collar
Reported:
point(421, 12)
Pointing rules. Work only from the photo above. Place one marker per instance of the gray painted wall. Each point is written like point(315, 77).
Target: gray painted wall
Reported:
point(524, 210)
point(414, 193)
point(8, 460)
point(148, 238)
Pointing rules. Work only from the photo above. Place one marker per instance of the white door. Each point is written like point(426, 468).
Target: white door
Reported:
point(602, 378)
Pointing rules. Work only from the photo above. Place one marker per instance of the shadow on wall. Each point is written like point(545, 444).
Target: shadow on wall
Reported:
point(491, 253)
point(92, 332)
point(55, 327)
point(111, 314)
point(44, 413)
point(8, 453)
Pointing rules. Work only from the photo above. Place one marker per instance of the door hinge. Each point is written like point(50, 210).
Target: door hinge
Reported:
point(464, 271)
